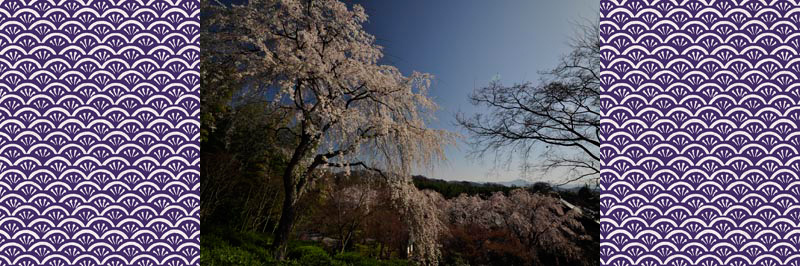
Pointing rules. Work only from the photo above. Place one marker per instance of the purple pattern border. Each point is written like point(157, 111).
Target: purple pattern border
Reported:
point(99, 105)
point(701, 107)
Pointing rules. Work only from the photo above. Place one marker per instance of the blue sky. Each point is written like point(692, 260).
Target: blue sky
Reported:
point(465, 43)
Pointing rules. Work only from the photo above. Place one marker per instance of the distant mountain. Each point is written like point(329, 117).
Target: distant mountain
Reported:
point(526, 183)
point(451, 189)
point(520, 183)
point(515, 183)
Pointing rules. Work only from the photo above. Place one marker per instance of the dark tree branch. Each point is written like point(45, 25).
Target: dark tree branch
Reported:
point(562, 111)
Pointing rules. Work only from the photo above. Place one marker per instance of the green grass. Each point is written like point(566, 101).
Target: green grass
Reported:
point(218, 248)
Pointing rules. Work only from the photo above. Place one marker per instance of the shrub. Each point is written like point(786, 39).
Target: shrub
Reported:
point(348, 257)
point(258, 239)
point(395, 262)
point(211, 241)
point(229, 256)
point(259, 251)
point(356, 259)
point(216, 251)
point(311, 256)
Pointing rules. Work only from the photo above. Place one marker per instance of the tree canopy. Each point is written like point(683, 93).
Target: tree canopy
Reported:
point(314, 63)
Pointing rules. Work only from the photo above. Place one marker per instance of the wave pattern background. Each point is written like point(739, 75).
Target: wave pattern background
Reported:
point(99, 147)
point(701, 108)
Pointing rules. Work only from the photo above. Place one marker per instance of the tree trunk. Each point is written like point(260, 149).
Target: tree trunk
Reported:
point(285, 224)
point(288, 212)
point(292, 185)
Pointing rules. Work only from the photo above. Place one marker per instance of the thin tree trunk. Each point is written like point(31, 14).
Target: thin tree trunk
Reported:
point(345, 241)
point(269, 214)
point(246, 212)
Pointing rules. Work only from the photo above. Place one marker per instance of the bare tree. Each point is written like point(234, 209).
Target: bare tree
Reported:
point(347, 206)
point(319, 67)
point(562, 112)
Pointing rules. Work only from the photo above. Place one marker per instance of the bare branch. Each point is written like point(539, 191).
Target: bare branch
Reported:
point(561, 111)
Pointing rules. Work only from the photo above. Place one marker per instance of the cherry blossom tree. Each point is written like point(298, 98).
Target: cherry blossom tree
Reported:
point(313, 60)
point(540, 222)
point(425, 218)
point(350, 204)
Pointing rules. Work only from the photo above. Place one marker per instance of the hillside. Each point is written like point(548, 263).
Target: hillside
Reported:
point(583, 196)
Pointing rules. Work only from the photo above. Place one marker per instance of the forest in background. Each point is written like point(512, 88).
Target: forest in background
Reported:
point(305, 166)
